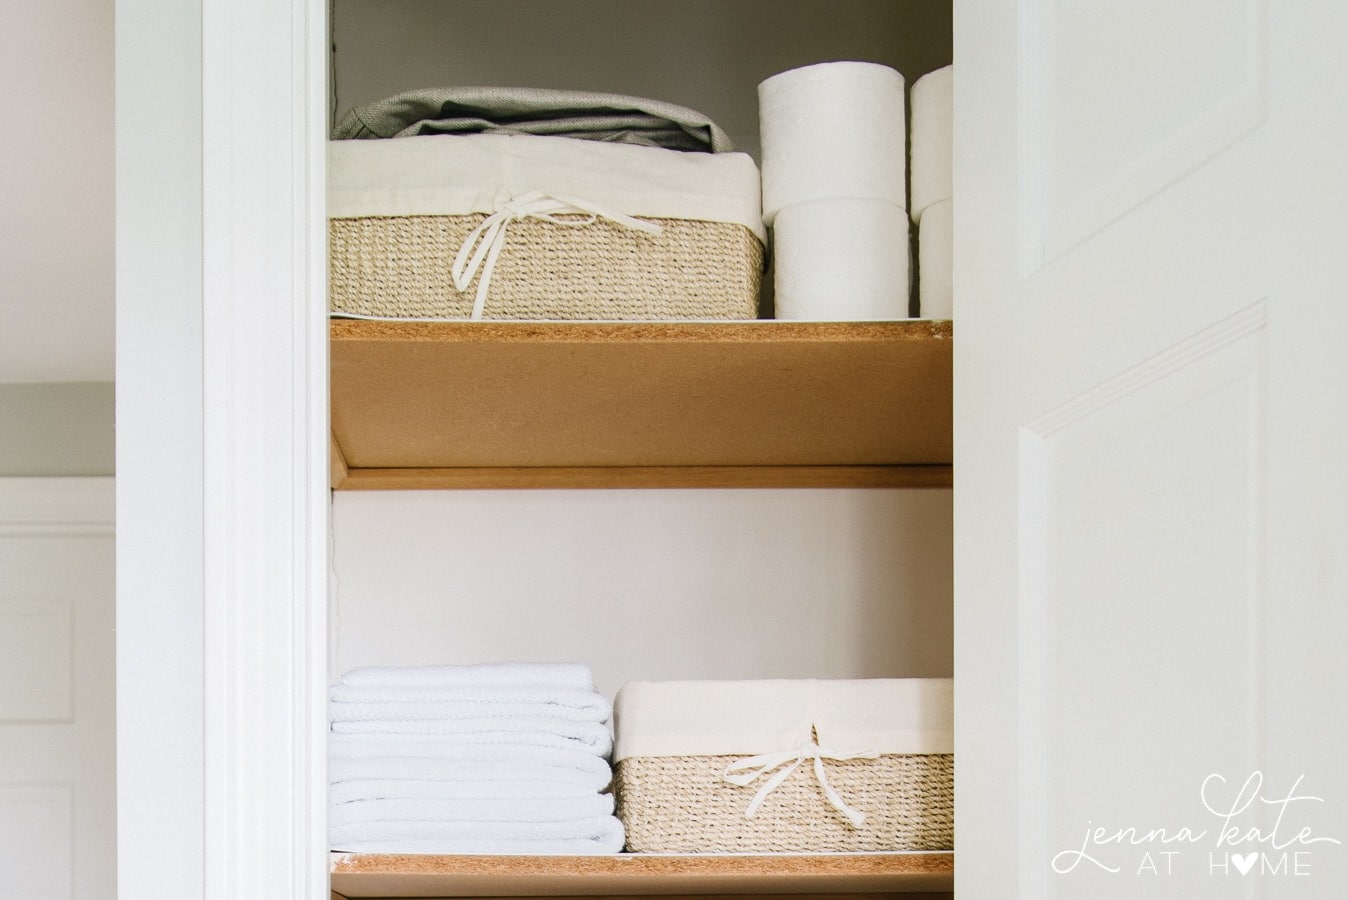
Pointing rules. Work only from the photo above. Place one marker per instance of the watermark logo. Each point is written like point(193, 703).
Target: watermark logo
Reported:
point(1222, 841)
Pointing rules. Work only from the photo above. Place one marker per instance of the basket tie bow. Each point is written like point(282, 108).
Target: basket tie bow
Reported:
point(765, 762)
point(483, 244)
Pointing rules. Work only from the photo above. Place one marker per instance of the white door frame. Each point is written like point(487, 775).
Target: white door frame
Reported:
point(221, 448)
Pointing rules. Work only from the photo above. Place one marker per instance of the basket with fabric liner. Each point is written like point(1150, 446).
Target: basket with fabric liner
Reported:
point(785, 766)
point(529, 227)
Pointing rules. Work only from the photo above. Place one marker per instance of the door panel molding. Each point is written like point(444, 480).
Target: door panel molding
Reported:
point(1210, 341)
point(63, 506)
point(57, 792)
point(37, 828)
point(1204, 396)
point(1076, 176)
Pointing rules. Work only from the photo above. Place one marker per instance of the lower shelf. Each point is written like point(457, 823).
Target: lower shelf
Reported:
point(390, 875)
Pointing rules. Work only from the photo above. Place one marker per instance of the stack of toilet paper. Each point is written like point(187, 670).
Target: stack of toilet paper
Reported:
point(834, 153)
point(932, 205)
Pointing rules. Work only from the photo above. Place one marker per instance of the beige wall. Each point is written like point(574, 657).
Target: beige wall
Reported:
point(56, 429)
point(56, 192)
point(647, 585)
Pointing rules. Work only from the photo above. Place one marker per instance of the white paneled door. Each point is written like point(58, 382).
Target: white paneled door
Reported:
point(57, 769)
point(1152, 409)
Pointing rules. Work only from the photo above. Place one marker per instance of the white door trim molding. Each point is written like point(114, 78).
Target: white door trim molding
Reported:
point(222, 449)
point(264, 102)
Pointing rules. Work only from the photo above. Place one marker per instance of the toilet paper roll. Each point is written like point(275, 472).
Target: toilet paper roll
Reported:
point(933, 102)
point(832, 130)
point(936, 261)
point(840, 260)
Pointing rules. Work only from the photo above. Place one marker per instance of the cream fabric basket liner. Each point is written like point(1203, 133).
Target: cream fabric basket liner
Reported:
point(675, 740)
point(399, 210)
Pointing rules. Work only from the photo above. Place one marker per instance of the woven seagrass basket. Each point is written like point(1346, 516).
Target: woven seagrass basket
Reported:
point(399, 267)
point(679, 804)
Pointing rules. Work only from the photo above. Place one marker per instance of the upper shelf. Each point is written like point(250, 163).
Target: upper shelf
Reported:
point(558, 404)
point(377, 875)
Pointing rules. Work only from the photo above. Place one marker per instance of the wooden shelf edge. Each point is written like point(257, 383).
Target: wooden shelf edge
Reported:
point(337, 468)
point(769, 330)
point(437, 405)
point(616, 477)
point(395, 875)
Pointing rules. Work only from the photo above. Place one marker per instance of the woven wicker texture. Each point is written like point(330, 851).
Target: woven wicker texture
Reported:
point(679, 804)
point(399, 267)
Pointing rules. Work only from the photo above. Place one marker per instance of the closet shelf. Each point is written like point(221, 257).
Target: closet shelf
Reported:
point(378, 875)
point(424, 405)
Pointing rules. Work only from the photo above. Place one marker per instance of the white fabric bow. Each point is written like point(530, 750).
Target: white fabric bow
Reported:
point(766, 762)
point(483, 244)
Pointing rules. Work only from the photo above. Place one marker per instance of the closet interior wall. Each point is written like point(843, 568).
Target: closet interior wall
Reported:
point(650, 584)
point(709, 55)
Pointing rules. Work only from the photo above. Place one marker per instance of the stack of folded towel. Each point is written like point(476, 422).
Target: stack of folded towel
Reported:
point(507, 758)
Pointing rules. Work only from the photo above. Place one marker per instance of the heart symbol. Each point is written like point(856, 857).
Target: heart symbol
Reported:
point(1244, 863)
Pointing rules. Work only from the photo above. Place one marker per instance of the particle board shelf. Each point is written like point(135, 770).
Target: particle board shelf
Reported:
point(356, 876)
point(745, 404)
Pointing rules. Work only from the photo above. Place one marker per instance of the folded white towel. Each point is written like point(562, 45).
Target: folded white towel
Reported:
point(467, 772)
point(440, 747)
point(435, 810)
point(586, 846)
point(427, 709)
point(485, 740)
point(518, 789)
point(433, 746)
point(597, 834)
point(527, 730)
point(475, 700)
point(572, 675)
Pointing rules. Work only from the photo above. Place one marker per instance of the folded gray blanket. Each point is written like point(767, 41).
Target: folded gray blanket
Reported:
point(510, 110)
